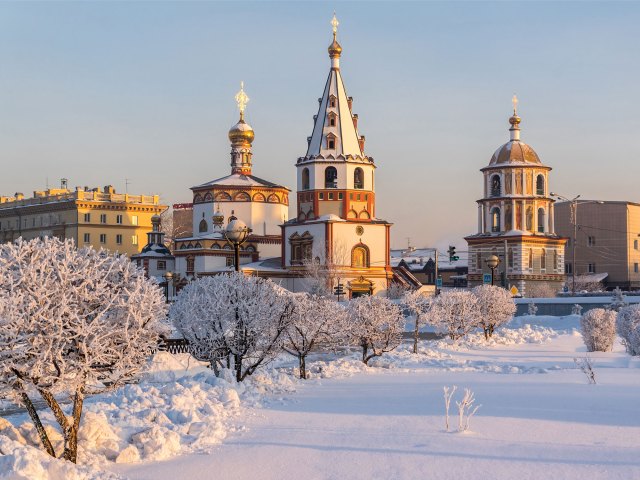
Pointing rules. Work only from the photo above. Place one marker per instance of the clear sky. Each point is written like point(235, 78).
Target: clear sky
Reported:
point(100, 92)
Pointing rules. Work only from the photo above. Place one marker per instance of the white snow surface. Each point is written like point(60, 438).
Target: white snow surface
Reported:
point(539, 417)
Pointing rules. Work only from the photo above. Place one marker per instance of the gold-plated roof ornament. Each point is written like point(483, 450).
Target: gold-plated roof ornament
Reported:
point(335, 49)
point(514, 101)
point(242, 99)
point(515, 119)
point(241, 133)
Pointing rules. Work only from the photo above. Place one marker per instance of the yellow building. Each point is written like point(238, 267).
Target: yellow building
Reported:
point(103, 219)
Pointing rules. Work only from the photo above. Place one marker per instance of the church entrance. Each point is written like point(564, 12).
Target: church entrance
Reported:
point(360, 287)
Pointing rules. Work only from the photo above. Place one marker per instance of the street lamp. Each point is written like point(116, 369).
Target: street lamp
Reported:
point(236, 234)
point(167, 281)
point(492, 262)
point(573, 206)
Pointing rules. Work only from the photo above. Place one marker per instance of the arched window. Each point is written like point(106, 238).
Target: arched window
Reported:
point(360, 257)
point(203, 227)
point(330, 177)
point(540, 185)
point(496, 187)
point(305, 179)
point(495, 220)
point(541, 219)
point(543, 260)
point(358, 179)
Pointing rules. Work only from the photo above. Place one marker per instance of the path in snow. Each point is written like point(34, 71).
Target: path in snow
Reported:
point(389, 425)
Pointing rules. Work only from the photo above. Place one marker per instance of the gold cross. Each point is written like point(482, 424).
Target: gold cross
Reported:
point(514, 100)
point(242, 99)
point(335, 23)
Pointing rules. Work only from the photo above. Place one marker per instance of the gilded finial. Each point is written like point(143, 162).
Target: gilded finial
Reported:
point(334, 24)
point(335, 49)
point(514, 101)
point(242, 99)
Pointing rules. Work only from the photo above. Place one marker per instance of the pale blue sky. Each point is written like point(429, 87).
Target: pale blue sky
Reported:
point(100, 91)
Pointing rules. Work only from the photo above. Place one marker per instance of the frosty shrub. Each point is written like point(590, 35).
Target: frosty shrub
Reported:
point(598, 328)
point(418, 304)
point(376, 325)
point(618, 300)
point(496, 307)
point(72, 323)
point(541, 290)
point(628, 327)
point(316, 321)
point(396, 291)
point(576, 309)
point(455, 313)
point(532, 309)
point(233, 320)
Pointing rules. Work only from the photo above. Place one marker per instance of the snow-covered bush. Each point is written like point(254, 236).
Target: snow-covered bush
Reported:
point(376, 325)
point(396, 291)
point(496, 307)
point(455, 313)
point(418, 304)
point(598, 328)
point(233, 320)
point(72, 323)
point(618, 300)
point(576, 309)
point(628, 327)
point(316, 321)
point(532, 309)
point(541, 290)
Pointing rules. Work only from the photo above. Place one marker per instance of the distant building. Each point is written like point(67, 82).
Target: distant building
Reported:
point(515, 220)
point(607, 248)
point(103, 219)
point(157, 260)
point(421, 264)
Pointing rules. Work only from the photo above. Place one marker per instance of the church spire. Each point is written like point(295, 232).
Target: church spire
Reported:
point(514, 120)
point(335, 50)
point(241, 136)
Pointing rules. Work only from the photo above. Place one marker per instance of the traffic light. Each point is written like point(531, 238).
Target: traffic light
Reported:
point(452, 254)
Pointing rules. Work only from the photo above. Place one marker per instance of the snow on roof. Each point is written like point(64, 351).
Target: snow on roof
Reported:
point(412, 258)
point(237, 179)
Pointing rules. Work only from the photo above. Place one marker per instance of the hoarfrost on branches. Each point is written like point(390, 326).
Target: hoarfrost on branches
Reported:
point(628, 327)
point(532, 309)
point(448, 395)
point(585, 364)
point(418, 304)
point(598, 328)
point(576, 309)
point(316, 321)
point(376, 325)
point(618, 300)
point(234, 320)
point(455, 313)
point(496, 307)
point(466, 410)
point(73, 322)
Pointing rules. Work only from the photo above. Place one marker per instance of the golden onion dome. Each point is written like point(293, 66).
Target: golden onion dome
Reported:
point(241, 133)
point(335, 50)
point(514, 120)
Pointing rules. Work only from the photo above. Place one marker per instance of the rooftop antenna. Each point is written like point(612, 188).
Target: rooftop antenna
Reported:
point(126, 185)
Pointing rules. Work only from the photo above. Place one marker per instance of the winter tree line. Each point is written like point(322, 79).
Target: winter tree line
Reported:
point(77, 322)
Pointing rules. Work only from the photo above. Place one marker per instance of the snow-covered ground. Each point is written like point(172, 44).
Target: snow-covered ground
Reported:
point(539, 417)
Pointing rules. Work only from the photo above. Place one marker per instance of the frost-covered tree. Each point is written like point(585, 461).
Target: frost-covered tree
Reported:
point(618, 300)
point(316, 321)
point(325, 267)
point(73, 322)
point(628, 327)
point(496, 307)
point(455, 313)
point(376, 325)
point(532, 308)
point(418, 305)
point(576, 309)
point(234, 319)
point(598, 328)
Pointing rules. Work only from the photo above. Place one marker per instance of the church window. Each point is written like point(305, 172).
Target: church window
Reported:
point(331, 143)
point(358, 197)
point(358, 179)
point(208, 197)
point(301, 248)
point(508, 217)
point(555, 259)
point(543, 260)
point(332, 121)
point(340, 196)
point(330, 195)
point(591, 268)
point(119, 239)
point(321, 196)
point(305, 179)
point(360, 257)
point(332, 101)
point(495, 186)
point(540, 185)
point(541, 220)
point(351, 196)
point(203, 227)
point(330, 177)
point(191, 264)
point(495, 220)
point(531, 258)
point(162, 265)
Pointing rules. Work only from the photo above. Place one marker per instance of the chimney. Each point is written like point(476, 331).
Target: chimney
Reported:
point(361, 142)
point(350, 102)
point(355, 120)
point(19, 196)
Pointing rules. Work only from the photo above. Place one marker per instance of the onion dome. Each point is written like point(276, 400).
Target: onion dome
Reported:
point(218, 218)
point(241, 133)
point(335, 50)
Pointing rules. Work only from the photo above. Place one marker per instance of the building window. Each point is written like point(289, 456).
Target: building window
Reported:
point(134, 239)
point(301, 247)
point(592, 268)
point(510, 257)
point(103, 218)
point(540, 185)
point(339, 195)
point(119, 239)
point(495, 186)
point(635, 244)
point(229, 262)
point(203, 227)
point(305, 179)
point(162, 265)
point(358, 179)
point(330, 195)
point(635, 268)
point(351, 196)
point(87, 217)
point(591, 241)
point(331, 143)
point(495, 220)
point(134, 220)
point(119, 219)
point(540, 220)
point(332, 102)
point(87, 237)
point(360, 257)
point(568, 268)
point(191, 264)
point(330, 177)
point(531, 258)
point(321, 196)
point(103, 238)
point(543, 259)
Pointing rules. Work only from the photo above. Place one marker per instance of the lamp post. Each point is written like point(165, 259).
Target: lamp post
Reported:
point(236, 234)
point(573, 219)
point(492, 262)
point(167, 281)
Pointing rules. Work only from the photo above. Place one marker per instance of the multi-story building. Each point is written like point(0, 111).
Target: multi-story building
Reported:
point(606, 244)
point(103, 219)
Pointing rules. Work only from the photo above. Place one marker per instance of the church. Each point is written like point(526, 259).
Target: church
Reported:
point(335, 225)
point(516, 221)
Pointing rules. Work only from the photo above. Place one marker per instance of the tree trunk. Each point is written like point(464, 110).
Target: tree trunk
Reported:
point(415, 335)
point(71, 437)
point(35, 418)
point(364, 354)
point(303, 366)
point(237, 359)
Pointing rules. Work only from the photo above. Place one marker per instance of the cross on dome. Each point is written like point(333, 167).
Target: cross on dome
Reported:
point(242, 99)
point(514, 101)
point(334, 24)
